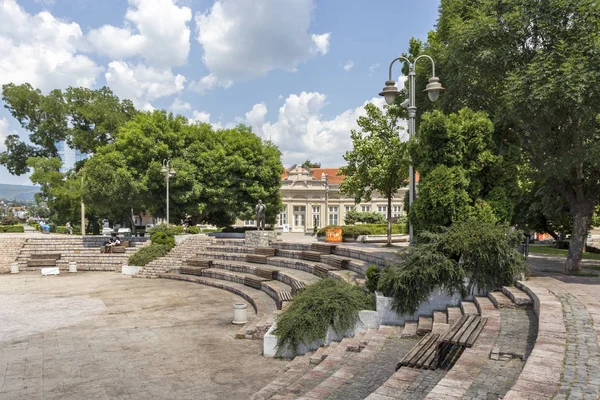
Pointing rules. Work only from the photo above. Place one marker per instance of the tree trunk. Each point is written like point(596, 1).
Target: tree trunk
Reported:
point(582, 215)
point(132, 223)
point(389, 221)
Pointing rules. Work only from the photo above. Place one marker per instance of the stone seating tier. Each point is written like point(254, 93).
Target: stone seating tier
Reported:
point(11, 247)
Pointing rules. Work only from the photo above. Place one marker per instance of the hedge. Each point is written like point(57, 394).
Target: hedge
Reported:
point(147, 254)
point(12, 228)
point(193, 230)
point(353, 231)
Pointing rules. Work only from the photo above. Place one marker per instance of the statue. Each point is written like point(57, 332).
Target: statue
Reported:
point(105, 223)
point(261, 215)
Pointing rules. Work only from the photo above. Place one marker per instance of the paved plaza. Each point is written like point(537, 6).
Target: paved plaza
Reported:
point(107, 336)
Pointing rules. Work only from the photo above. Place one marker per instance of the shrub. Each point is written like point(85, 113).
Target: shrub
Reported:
point(208, 230)
point(353, 217)
point(61, 229)
point(10, 220)
point(12, 228)
point(329, 302)
point(169, 230)
point(238, 229)
point(372, 275)
point(147, 254)
point(161, 238)
point(477, 254)
point(193, 230)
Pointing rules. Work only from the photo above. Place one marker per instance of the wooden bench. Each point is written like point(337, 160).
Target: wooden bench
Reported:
point(256, 258)
point(46, 256)
point(435, 350)
point(199, 262)
point(266, 273)
point(297, 287)
point(265, 251)
point(322, 248)
point(254, 281)
point(41, 262)
point(310, 256)
point(285, 295)
point(191, 270)
point(338, 262)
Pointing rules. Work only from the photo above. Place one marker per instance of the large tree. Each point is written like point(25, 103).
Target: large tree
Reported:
point(378, 160)
point(533, 66)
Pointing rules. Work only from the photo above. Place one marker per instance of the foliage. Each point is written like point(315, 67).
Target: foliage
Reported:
point(373, 273)
point(532, 67)
point(378, 160)
point(10, 220)
point(169, 230)
point(147, 254)
point(553, 251)
point(61, 229)
point(238, 229)
point(482, 254)
point(455, 159)
point(12, 228)
point(161, 238)
point(329, 302)
point(84, 118)
point(193, 230)
point(310, 164)
point(353, 231)
point(352, 217)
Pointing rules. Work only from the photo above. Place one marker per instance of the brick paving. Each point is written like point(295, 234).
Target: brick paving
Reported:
point(99, 335)
point(375, 373)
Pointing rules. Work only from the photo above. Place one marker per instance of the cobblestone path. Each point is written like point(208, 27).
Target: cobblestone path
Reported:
point(518, 331)
point(580, 378)
point(377, 372)
point(422, 385)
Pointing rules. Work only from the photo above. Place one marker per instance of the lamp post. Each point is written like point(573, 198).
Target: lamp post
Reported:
point(168, 170)
point(390, 92)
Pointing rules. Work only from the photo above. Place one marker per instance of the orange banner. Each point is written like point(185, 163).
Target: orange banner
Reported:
point(333, 235)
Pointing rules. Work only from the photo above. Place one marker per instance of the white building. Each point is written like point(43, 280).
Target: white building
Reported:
point(69, 156)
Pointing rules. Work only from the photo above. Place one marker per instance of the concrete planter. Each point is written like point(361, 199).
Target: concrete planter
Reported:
point(240, 314)
point(14, 268)
point(367, 319)
point(130, 270)
point(72, 266)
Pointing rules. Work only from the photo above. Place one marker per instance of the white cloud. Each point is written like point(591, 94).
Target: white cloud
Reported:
point(42, 50)
point(208, 82)
point(200, 116)
point(156, 30)
point(142, 84)
point(180, 105)
point(372, 68)
point(348, 66)
point(243, 39)
point(301, 132)
point(3, 133)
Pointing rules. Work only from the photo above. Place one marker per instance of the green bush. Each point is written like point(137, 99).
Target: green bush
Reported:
point(352, 217)
point(470, 254)
point(35, 226)
point(147, 254)
point(238, 229)
point(193, 230)
point(161, 238)
point(208, 230)
point(372, 275)
point(354, 231)
point(10, 220)
point(61, 229)
point(12, 228)
point(329, 302)
point(169, 230)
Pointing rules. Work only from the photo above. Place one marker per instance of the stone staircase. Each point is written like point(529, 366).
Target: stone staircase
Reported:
point(11, 247)
point(58, 251)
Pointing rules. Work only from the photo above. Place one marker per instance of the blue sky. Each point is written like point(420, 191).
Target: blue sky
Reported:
point(298, 71)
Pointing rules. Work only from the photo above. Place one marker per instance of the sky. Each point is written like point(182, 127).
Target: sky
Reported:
point(299, 72)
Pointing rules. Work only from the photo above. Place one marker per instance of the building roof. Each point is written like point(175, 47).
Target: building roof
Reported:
point(333, 177)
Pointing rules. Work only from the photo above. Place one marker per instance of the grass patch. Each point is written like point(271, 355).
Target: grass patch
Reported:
point(586, 274)
point(553, 251)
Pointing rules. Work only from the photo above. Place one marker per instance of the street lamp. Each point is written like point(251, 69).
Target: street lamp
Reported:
point(169, 171)
point(390, 92)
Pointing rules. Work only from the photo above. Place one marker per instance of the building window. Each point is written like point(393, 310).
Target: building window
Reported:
point(316, 212)
point(282, 218)
point(397, 211)
point(333, 215)
point(250, 222)
point(382, 210)
point(365, 208)
point(299, 209)
point(349, 208)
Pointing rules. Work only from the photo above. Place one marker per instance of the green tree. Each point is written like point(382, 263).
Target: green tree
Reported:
point(532, 66)
point(84, 118)
point(378, 160)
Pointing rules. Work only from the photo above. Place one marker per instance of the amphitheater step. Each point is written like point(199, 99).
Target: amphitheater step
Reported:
point(425, 325)
point(500, 300)
point(440, 322)
point(265, 251)
point(453, 314)
point(192, 270)
point(256, 258)
point(318, 355)
point(45, 256)
point(322, 248)
point(338, 262)
point(311, 256)
point(199, 262)
point(519, 297)
point(410, 329)
point(40, 263)
point(468, 307)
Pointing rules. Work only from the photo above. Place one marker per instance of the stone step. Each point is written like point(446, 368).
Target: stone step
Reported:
point(425, 325)
point(484, 305)
point(468, 307)
point(519, 297)
point(318, 355)
point(453, 314)
point(410, 329)
point(440, 322)
point(500, 300)
point(296, 368)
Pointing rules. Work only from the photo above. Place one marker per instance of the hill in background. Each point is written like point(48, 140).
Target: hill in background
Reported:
point(18, 192)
